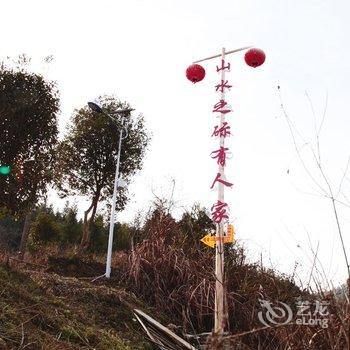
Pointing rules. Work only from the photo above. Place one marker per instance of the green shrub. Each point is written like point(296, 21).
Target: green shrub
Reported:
point(10, 232)
point(45, 228)
point(122, 237)
point(99, 235)
point(71, 227)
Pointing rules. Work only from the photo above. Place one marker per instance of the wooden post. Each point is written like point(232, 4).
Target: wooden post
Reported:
point(219, 249)
point(219, 312)
point(25, 234)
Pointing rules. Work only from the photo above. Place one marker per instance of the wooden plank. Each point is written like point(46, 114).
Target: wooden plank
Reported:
point(159, 328)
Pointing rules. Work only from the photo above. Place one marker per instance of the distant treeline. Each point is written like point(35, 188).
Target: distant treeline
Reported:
point(63, 228)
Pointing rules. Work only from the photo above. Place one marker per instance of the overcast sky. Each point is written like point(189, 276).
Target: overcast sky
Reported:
point(139, 50)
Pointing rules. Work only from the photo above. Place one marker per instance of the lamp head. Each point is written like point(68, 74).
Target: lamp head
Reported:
point(95, 107)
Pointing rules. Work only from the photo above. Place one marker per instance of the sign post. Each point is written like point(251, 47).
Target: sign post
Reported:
point(219, 210)
point(219, 323)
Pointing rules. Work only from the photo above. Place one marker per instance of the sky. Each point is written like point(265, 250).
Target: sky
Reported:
point(139, 51)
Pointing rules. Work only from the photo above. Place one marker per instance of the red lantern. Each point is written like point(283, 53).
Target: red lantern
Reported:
point(254, 57)
point(195, 73)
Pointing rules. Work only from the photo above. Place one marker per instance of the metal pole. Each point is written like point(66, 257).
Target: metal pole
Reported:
point(112, 220)
point(226, 53)
point(219, 249)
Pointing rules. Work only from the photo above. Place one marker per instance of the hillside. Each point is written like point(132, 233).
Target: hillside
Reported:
point(58, 307)
point(41, 310)
point(49, 301)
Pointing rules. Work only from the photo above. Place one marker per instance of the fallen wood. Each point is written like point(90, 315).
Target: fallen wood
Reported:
point(161, 335)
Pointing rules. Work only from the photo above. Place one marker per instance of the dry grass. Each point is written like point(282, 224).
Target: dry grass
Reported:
point(173, 274)
point(169, 274)
point(41, 310)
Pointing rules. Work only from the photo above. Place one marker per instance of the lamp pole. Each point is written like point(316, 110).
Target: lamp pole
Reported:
point(96, 108)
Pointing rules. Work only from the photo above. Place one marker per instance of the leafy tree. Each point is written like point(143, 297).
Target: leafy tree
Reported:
point(123, 241)
point(88, 156)
point(10, 233)
point(45, 228)
point(28, 123)
point(194, 225)
point(71, 227)
point(99, 234)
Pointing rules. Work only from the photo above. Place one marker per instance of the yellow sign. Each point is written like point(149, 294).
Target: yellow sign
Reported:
point(228, 238)
point(230, 234)
point(209, 241)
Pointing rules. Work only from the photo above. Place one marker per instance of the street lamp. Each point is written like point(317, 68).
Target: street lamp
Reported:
point(96, 108)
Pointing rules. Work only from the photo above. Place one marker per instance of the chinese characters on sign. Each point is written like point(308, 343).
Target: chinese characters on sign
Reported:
point(219, 179)
point(219, 210)
point(222, 131)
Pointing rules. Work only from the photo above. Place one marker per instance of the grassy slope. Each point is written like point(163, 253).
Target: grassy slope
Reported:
point(46, 311)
